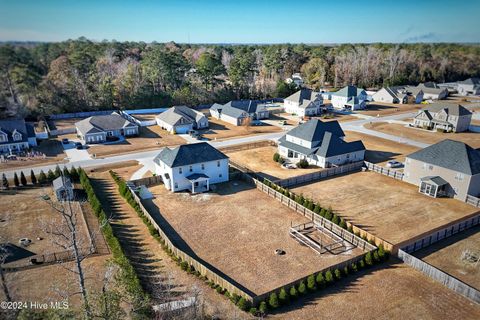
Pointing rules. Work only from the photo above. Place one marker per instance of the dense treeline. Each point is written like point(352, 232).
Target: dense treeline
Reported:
point(80, 74)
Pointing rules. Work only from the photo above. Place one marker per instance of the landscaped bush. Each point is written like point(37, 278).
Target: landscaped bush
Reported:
point(320, 279)
point(311, 284)
point(283, 296)
point(302, 289)
point(293, 292)
point(302, 163)
point(263, 307)
point(243, 304)
point(273, 301)
point(276, 157)
point(338, 274)
point(329, 277)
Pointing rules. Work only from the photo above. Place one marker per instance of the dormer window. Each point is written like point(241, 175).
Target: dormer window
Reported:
point(17, 136)
point(3, 137)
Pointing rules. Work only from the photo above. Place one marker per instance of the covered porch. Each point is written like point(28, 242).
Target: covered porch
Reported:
point(199, 182)
point(433, 186)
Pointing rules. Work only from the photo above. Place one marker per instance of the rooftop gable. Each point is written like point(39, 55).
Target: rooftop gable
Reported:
point(189, 154)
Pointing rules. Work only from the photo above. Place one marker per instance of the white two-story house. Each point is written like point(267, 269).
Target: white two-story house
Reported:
point(304, 102)
point(191, 167)
point(350, 98)
point(321, 144)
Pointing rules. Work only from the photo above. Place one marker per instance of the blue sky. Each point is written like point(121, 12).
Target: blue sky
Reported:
point(247, 21)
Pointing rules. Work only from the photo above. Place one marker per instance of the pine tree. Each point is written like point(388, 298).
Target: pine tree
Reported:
point(283, 296)
point(320, 280)
point(302, 289)
point(58, 171)
point(311, 283)
point(336, 219)
point(338, 274)
point(50, 175)
point(15, 180)
point(368, 259)
point(33, 178)
point(66, 173)
point(74, 174)
point(23, 179)
point(329, 277)
point(346, 270)
point(243, 304)
point(293, 292)
point(42, 178)
point(273, 301)
point(263, 307)
point(4, 182)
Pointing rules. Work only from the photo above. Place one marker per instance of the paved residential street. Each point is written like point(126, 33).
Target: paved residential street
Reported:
point(81, 158)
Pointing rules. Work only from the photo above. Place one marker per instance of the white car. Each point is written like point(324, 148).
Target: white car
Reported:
point(289, 166)
point(394, 164)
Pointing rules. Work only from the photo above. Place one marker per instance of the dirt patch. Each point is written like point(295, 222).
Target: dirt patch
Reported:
point(447, 256)
point(470, 138)
point(237, 230)
point(388, 208)
point(260, 160)
point(381, 150)
point(393, 293)
point(150, 138)
point(222, 130)
point(145, 116)
point(383, 109)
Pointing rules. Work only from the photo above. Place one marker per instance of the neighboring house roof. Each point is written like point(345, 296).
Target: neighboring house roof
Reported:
point(450, 154)
point(97, 124)
point(470, 81)
point(61, 183)
point(424, 114)
point(238, 108)
point(349, 91)
point(304, 94)
point(10, 126)
point(426, 88)
point(216, 106)
point(175, 114)
point(313, 130)
point(188, 154)
point(234, 112)
point(451, 109)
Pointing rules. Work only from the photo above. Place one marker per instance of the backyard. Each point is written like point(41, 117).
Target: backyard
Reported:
point(388, 208)
point(150, 138)
point(446, 255)
point(219, 129)
point(237, 230)
point(264, 165)
point(470, 138)
point(381, 150)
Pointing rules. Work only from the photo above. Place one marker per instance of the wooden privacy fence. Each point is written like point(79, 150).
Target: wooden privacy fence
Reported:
point(200, 267)
point(247, 146)
point(319, 175)
point(441, 234)
point(309, 214)
point(147, 181)
point(473, 201)
point(385, 171)
point(440, 276)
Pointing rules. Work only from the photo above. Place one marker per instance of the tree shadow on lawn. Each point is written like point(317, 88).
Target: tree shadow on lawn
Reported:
point(446, 242)
point(347, 284)
point(180, 243)
point(379, 107)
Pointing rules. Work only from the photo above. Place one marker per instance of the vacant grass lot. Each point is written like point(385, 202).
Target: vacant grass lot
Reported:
point(150, 138)
point(446, 255)
point(237, 230)
point(145, 116)
point(219, 129)
point(261, 161)
point(397, 292)
point(388, 208)
point(62, 124)
point(383, 109)
point(470, 138)
point(381, 150)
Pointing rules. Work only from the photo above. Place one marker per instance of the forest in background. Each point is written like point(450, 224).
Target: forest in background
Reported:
point(79, 75)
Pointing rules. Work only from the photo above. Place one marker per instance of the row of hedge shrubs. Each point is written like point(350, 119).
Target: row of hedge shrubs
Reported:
point(321, 280)
point(316, 207)
point(127, 275)
point(239, 301)
point(42, 177)
point(303, 163)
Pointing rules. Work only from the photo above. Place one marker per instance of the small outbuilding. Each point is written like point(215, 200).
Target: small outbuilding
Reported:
point(63, 188)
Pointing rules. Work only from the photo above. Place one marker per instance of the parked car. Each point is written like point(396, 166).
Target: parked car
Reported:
point(65, 141)
point(78, 146)
point(394, 164)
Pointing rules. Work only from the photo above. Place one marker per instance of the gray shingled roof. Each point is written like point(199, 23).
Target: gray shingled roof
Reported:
point(348, 91)
point(470, 81)
point(439, 181)
point(313, 130)
point(62, 182)
point(450, 154)
point(173, 115)
point(236, 108)
point(103, 123)
point(333, 146)
point(304, 94)
point(8, 126)
point(188, 154)
point(452, 109)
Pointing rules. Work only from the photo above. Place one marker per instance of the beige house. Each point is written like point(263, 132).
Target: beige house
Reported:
point(446, 169)
point(448, 117)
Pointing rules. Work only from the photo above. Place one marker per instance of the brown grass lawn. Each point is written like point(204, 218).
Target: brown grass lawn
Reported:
point(261, 161)
point(470, 138)
point(446, 255)
point(397, 292)
point(145, 117)
point(383, 109)
point(63, 124)
point(124, 169)
point(381, 150)
point(152, 137)
point(222, 130)
point(237, 231)
point(52, 149)
point(388, 208)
